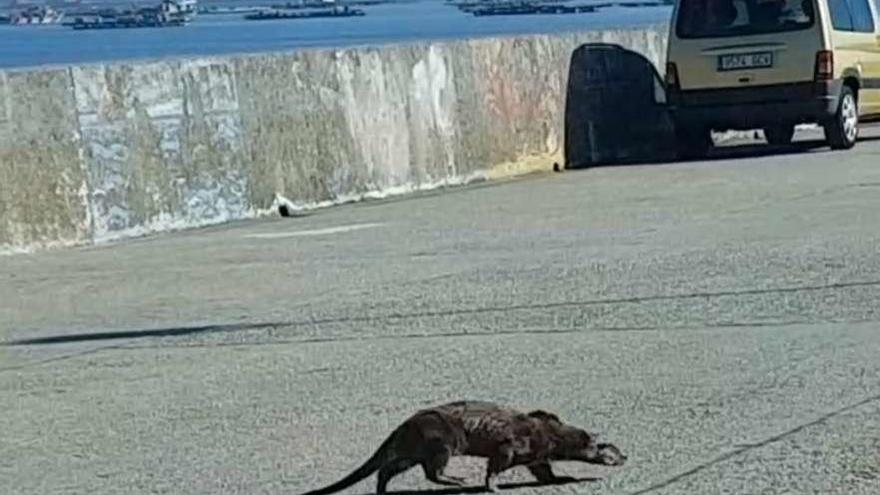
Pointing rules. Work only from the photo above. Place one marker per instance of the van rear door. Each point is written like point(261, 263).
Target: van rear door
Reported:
point(742, 43)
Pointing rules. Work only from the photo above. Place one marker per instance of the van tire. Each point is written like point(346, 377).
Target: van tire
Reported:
point(779, 134)
point(842, 131)
point(692, 142)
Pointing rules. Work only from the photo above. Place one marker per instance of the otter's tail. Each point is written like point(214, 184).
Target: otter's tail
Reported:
point(367, 468)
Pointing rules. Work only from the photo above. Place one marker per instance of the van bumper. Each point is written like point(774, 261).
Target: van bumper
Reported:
point(756, 107)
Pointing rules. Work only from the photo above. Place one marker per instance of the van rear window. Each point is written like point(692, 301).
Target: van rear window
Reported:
point(720, 18)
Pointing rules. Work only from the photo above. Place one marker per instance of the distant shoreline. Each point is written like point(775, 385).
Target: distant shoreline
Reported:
point(213, 35)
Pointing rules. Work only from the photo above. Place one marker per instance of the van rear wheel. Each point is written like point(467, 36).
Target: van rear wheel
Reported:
point(842, 130)
point(779, 134)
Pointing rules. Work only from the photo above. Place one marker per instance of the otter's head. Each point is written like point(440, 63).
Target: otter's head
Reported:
point(609, 455)
point(574, 444)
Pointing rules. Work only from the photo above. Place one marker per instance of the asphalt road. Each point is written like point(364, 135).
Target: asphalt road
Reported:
point(717, 320)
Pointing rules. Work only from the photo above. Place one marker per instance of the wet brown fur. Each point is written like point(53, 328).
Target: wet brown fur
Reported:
point(504, 436)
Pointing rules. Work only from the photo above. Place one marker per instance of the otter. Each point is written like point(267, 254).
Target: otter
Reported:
point(504, 436)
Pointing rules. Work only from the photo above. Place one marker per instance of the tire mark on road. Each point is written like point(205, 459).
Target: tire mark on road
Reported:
point(140, 334)
point(744, 448)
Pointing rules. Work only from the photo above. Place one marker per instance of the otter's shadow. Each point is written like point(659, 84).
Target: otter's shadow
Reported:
point(482, 489)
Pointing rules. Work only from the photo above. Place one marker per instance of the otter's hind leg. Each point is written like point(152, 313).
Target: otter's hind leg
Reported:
point(391, 470)
point(435, 462)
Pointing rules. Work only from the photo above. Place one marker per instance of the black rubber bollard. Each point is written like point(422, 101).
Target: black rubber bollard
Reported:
point(615, 109)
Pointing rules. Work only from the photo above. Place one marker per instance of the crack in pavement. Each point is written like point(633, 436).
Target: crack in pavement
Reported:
point(744, 448)
point(499, 333)
point(55, 359)
point(593, 302)
point(178, 331)
point(719, 399)
point(442, 335)
point(808, 195)
point(222, 328)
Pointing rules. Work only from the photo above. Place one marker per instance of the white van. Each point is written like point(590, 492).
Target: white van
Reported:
point(771, 65)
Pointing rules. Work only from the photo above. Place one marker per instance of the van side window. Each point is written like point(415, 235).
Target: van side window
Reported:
point(851, 15)
point(841, 18)
point(863, 19)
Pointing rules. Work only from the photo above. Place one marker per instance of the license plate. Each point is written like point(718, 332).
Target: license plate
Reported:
point(745, 61)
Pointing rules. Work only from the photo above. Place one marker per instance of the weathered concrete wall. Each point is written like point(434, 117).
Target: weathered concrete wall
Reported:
point(43, 187)
point(101, 152)
point(164, 145)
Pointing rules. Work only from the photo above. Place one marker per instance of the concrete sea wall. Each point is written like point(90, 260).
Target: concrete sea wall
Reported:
point(101, 152)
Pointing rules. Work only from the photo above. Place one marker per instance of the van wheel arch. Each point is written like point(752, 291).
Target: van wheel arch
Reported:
point(853, 83)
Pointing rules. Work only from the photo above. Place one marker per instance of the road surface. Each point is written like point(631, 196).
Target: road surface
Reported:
point(717, 320)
